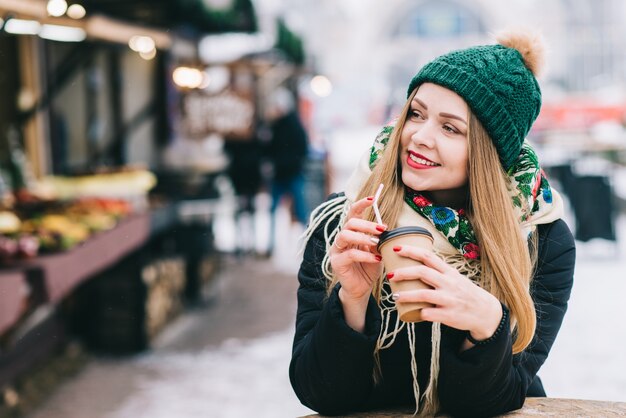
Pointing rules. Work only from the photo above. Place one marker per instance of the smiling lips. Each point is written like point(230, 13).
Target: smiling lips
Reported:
point(420, 162)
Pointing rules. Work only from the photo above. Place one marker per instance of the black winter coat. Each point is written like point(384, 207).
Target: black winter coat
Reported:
point(332, 365)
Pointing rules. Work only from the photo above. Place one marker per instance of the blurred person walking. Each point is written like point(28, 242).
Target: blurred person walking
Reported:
point(287, 150)
point(245, 173)
point(455, 163)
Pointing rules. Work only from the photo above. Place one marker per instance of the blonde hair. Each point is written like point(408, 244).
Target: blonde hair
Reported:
point(386, 171)
point(504, 273)
point(507, 262)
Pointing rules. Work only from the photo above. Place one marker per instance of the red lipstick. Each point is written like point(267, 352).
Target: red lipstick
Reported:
point(425, 164)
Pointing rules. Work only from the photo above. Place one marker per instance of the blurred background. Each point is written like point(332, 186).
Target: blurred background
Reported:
point(159, 159)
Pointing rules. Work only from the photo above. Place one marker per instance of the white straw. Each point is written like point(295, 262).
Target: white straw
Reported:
point(376, 196)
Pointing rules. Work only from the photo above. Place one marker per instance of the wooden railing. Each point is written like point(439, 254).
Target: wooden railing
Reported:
point(534, 407)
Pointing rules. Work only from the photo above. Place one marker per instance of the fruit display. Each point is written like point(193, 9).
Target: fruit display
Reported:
point(53, 226)
point(117, 208)
point(9, 223)
point(118, 184)
point(57, 213)
point(8, 248)
point(59, 232)
point(27, 246)
point(22, 246)
point(14, 244)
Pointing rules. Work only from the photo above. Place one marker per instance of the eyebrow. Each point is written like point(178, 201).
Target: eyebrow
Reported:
point(443, 114)
point(421, 103)
point(451, 116)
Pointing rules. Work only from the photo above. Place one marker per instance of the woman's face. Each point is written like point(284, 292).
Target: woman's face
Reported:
point(433, 151)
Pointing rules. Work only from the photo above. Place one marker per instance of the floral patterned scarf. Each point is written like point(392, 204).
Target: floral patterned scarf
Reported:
point(531, 196)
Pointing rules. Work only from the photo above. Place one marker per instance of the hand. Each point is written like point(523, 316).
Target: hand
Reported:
point(459, 303)
point(353, 256)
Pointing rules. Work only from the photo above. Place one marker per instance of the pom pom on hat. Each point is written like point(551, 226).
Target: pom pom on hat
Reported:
point(529, 44)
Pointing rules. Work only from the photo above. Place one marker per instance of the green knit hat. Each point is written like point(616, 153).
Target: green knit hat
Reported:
point(498, 83)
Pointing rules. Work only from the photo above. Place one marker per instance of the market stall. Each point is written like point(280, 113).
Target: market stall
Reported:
point(111, 170)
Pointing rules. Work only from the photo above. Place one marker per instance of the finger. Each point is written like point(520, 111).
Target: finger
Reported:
point(366, 227)
point(359, 256)
point(339, 244)
point(348, 238)
point(436, 314)
point(426, 274)
point(431, 296)
point(427, 257)
point(357, 209)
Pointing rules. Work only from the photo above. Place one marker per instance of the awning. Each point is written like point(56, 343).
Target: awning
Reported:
point(290, 43)
point(201, 16)
point(96, 26)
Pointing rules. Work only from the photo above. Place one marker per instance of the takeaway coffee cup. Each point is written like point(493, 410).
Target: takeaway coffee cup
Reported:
point(407, 235)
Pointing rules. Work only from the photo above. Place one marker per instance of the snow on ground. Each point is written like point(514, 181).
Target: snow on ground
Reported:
point(235, 380)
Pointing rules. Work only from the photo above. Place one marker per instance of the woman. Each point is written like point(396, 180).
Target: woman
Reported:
point(502, 266)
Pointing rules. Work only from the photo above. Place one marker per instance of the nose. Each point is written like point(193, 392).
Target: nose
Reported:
point(424, 134)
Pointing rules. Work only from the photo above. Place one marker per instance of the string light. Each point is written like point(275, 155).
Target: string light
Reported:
point(62, 33)
point(191, 78)
point(321, 86)
point(76, 11)
point(148, 55)
point(143, 44)
point(22, 27)
point(56, 8)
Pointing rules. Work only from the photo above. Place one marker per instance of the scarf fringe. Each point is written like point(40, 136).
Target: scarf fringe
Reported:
point(325, 213)
point(466, 266)
point(410, 330)
point(387, 337)
point(430, 398)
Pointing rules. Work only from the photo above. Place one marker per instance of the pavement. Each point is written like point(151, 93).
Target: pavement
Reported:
point(227, 358)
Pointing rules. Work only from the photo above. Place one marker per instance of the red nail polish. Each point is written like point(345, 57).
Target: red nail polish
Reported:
point(380, 228)
point(396, 249)
point(379, 258)
point(390, 275)
point(370, 198)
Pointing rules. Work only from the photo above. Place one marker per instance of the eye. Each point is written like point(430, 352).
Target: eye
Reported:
point(451, 129)
point(416, 114)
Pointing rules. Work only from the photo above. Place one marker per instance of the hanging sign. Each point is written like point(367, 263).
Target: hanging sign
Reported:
point(229, 114)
